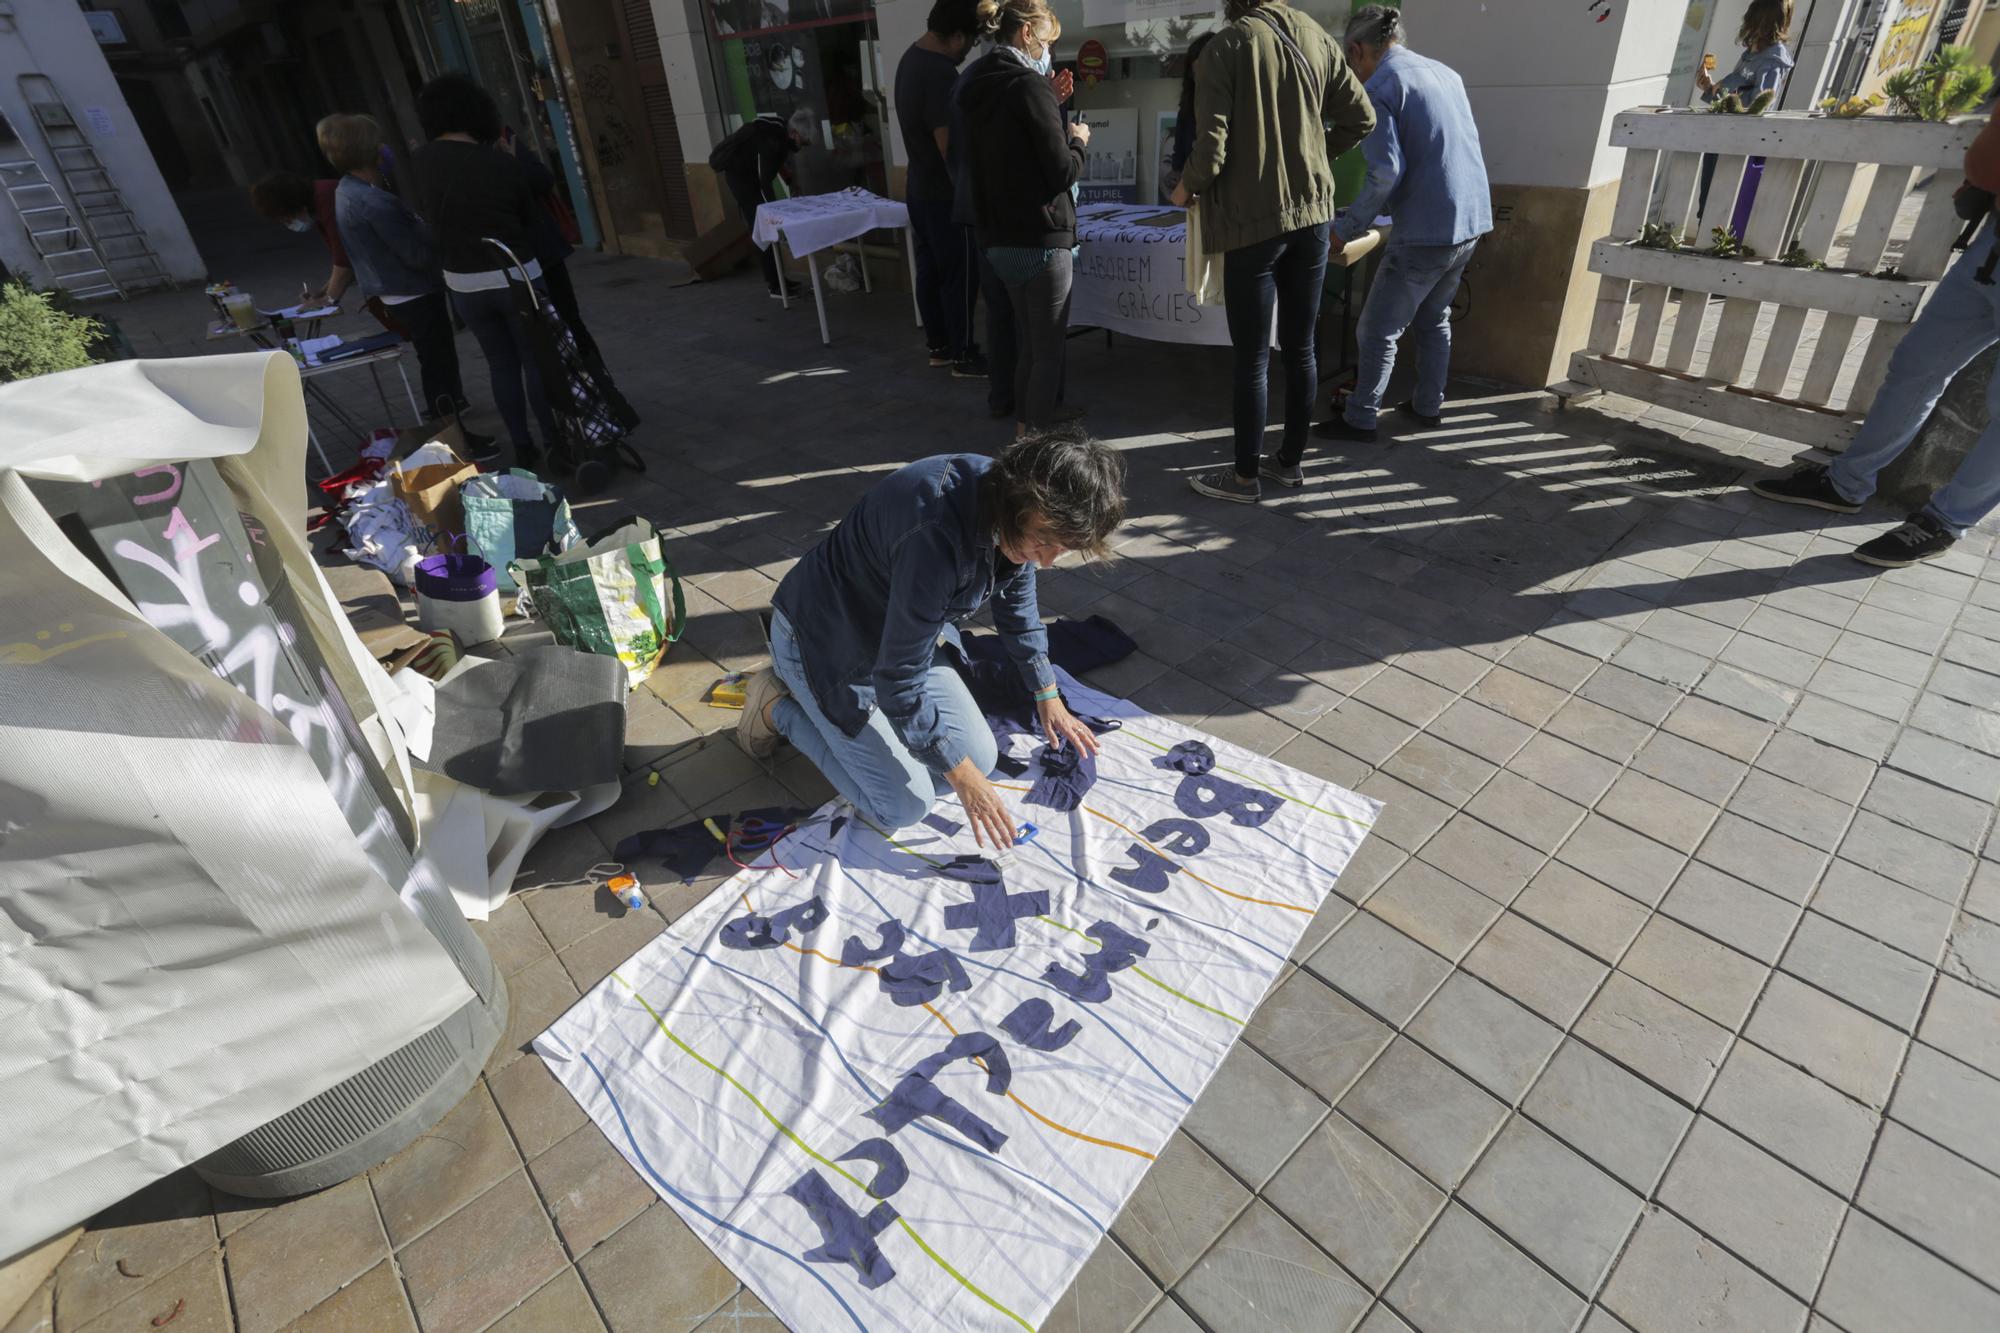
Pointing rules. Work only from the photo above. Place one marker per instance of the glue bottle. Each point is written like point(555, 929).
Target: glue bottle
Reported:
point(626, 889)
point(1004, 858)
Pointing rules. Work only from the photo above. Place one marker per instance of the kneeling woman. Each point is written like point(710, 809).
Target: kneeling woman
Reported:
point(857, 622)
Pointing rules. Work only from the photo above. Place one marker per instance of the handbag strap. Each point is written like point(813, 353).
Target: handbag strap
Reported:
point(1292, 49)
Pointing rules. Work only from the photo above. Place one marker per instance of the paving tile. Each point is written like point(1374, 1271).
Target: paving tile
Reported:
point(1181, 1205)
point(1536, 968)
point(1795, 811)
point(1831, 772)
point(1380, 966)
point(299, 1253)
point(1110, 1293)
point(1655, 1036)
point(1615, 855)
point(1712, 979)
point(1791, 1114)
point(373, 1301)
point(1703, 638)
point(563, 1305)
point(1382, 1319)
point(1445, 771)
point(1746, 692)
point(1432, 1118)
point(1583, 634)
point(1402, 695)
point(537, 996)
point(1828, 1039)
point(1550, 663)
point(510, 935)
point(1526, 812)
point(1355, 1199)
point(1626, 1126)
point(1937, 1199)
point(484, 1259)
point(1168, 1317)
point(1880, 908)
point(1866, 973)
point(1520, 697)
point(1972, 953)
point(538, 1110)
point(1453, 668)
point(1315, 1034)
point(1568, 770)
point(1622, 691)
point(1409, 817)
point(1482, 857)
point(1582, 910)
point(1482, 1033)
point(1950, 1102)
point(1463, 1275)
point(655, 1273)
point(450, 1164)
point(1847, 728)
point(1552, 1203)
point(1891, 627)
point(155, 1231)
point(1662, 813)
point(1433, 908)
point(1770, 661)
point(1914, 803)
point(1803, 632)
point(1863, 690)
point(1757, 856)
point(1960, 722)
point(1878, 1277)
point(1883, 659)
point(1603, 1321)
point(1252, 1115)
point(1662, 662)
point(589, 1189)
point(1309, 754)
point(1599, 729)
point(1367, 870)
point(192, 1298)
point(1949, 765)
point(1983, 898)
point(1906, 856)
point(1725, 908)
point(1367, 733)
point(1671, 1279)
point(1965, 1022)
point(1714, 727)
point(1981, 689)
point(1492, 736)
point(1691, 768)
point(1765, 1212)
point(1263, 1274)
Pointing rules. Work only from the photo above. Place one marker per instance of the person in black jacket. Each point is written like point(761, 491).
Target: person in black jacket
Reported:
point(750, 158)
point(470, 191)
point(1024, 159)
point(551, 246)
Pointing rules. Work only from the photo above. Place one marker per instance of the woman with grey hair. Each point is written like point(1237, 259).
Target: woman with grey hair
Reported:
point(856, 624)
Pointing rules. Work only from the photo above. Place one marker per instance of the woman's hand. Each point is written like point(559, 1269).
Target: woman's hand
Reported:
point(1061, 728)
point(992, 826)
point(1064, 85)
point(1180, 198)
point(1703, 82)
point(1079, 132)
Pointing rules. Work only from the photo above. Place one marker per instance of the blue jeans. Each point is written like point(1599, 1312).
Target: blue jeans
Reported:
point(1285, 272)
point(873, 770)
point(1412, 291)
point(1961, 321)
point(947, 279)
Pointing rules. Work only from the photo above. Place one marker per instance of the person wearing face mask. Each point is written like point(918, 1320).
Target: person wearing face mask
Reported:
point(301, 205)
point(1025, 161)
point(856, 624)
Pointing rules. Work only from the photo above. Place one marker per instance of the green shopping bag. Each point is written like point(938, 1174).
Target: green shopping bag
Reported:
point(608, 596)
point(513, 516)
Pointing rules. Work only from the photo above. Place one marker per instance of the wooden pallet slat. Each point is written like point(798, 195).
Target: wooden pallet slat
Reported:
point(1764, 236)
point(1815, 237)
point(1635, 192)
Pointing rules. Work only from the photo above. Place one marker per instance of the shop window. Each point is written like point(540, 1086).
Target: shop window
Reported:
point(773, 58)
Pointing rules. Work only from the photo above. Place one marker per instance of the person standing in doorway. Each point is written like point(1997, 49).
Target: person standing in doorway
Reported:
point(947, 274)
point(750, 159)
point(1426, 172)
point(1266, 89)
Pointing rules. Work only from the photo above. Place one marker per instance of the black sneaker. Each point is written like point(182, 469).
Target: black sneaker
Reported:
point(1224, 484)
point(1336, 428)
point(1920, 538)
point(1285, 474)
point(1428, 423)
point(1808, 485)
point(969, 367)
point(940, 358)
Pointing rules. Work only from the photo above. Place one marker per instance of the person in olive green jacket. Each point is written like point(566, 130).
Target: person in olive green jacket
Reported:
point(1275, 103)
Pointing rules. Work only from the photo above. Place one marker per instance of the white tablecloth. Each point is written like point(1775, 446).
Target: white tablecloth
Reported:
point(811, 222)
point(1132, 276)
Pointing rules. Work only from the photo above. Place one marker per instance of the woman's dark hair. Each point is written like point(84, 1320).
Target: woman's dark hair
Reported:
point(955, 18)
point(454, 104)
point(282, 195)
point(1074, 483)
point(1187, 75)
point(1765, 23)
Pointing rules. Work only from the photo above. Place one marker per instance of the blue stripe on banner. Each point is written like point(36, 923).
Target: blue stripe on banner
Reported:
point(1151, 906)
point(1022, 976)
point(731, 1227)
point(966, 1148)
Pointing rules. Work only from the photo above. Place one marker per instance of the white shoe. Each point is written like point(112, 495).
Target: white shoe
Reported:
point(754, 731)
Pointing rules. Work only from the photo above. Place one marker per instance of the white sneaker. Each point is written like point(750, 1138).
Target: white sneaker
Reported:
point(754, 731)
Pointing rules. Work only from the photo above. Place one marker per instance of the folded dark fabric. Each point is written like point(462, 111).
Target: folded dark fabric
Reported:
point(689, 851)
point(546, 719)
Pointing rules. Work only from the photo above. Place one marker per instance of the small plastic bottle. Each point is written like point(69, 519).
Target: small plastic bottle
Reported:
point(626, 889)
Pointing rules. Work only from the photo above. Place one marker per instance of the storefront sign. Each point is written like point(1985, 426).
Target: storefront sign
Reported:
point(1111, 163)
point(1101, 13)
point(1092, 64)
point(1905, 40)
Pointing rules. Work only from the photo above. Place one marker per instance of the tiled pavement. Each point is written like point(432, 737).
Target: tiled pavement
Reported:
point(1666, 994)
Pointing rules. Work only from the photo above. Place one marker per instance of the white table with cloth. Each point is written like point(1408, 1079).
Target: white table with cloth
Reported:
point(809, 223)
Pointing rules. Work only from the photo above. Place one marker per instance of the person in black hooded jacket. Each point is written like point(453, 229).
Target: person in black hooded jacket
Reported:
point(1024, 160)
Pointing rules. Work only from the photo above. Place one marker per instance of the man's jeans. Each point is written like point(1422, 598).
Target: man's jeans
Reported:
point(1961, 321)
point(947, 280)
point(874, 770)
point(1284, 273)
point(1412, 291)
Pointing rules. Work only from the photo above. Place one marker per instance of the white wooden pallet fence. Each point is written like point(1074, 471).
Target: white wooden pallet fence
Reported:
point(1881, 156)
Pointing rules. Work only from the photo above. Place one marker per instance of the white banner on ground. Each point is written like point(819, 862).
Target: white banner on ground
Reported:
point(894, 1086)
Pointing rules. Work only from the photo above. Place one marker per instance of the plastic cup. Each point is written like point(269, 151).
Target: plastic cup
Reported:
point(242, 308)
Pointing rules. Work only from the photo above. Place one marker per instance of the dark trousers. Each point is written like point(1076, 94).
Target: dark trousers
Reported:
point(1001, 354)
point(562, 295)
point(502, 332)
point(1284, 273)
point(747, 193)
point(426, 322)
point(1041, 340)
point(947, 285)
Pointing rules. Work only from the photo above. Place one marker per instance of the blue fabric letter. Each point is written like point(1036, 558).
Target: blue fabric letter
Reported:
point(848, 1237)
point(1029, 1025)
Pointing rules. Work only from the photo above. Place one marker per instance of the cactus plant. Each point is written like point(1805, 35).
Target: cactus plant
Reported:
point(1951, 81)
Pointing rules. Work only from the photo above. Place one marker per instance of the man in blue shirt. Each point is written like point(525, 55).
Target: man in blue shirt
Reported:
point(1426, 172)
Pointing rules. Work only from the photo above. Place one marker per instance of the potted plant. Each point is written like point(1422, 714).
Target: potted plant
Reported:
point(37, 338)
point(1950, 83)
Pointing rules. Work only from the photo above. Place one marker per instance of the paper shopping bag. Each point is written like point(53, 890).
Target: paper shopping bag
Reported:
point(431, 494)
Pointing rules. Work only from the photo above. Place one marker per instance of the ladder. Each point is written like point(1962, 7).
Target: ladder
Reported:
point(90, 240)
